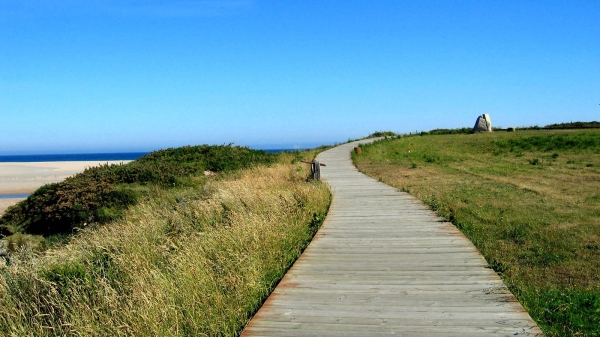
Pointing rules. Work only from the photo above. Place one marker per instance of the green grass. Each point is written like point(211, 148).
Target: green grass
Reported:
point(528, 200)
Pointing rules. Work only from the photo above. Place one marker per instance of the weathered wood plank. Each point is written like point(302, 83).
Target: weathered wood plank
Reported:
point(383, 264)
point(384, 329)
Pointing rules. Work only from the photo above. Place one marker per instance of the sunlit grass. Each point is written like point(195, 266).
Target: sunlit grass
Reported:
point(186, 262)
point(528, 200)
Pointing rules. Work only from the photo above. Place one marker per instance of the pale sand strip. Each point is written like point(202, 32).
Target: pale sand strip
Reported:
point(22, 178)
point(6, 203)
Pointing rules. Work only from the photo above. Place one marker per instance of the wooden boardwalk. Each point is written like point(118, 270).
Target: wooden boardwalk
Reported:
point(383, 264)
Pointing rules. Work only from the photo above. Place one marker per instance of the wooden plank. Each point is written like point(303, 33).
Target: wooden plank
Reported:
point(383, 264)
point(384, 329)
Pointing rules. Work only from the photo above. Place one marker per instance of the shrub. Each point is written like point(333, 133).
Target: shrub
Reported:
point(447, 131)
point(382, 134)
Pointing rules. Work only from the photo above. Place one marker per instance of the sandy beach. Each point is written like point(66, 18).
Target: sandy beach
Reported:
point(24, 178)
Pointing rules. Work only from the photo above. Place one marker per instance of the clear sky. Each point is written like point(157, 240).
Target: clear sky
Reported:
point(122, 75)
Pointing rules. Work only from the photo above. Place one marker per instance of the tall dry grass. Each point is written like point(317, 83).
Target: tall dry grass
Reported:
point(188, 262)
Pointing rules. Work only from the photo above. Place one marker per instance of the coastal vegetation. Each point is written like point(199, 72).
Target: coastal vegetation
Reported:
point(190, 255)
point(101, 194)
point(190, 241)
point(528, 200)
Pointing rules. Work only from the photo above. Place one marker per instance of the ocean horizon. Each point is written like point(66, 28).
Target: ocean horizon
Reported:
point(14, 196)
point(30, 158)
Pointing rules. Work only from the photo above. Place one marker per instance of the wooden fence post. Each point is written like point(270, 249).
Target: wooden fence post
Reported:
point(316, 170)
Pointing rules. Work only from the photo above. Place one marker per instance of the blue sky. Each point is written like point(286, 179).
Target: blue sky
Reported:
point(114, 76)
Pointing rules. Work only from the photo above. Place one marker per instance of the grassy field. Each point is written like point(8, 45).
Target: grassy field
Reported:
point(530, 202)
point(192, 260)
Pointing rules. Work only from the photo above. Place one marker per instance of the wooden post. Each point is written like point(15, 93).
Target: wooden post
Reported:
point(316, 169)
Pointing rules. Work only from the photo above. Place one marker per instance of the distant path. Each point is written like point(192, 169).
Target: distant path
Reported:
point(383, 264)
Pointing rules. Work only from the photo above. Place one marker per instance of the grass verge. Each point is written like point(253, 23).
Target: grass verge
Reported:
point(190, 261)
point(529, 201)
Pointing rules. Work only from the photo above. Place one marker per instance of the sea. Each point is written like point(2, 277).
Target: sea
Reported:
point(84, 156)
point(11, 196)
point(71, 157)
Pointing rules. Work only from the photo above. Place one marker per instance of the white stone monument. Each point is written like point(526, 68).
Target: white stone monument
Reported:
point(483, 124)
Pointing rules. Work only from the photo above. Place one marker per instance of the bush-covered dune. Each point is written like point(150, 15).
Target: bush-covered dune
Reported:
point(197, 259)
point(100, 194)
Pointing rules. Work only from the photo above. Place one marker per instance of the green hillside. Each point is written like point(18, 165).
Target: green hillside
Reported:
point(529, 201)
